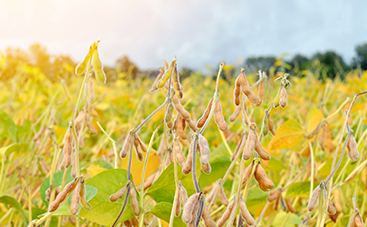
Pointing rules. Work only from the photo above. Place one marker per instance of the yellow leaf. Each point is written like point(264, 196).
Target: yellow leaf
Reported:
point(288, 135)
point(94, 170)
point(314, 117)
point(154, 162)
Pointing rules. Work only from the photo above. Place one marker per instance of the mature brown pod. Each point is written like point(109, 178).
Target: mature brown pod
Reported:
point(148, 182)
point(134, 201)
point(246, 214)
point(314, 198)
point(265, 183)
point(63, 195)
point(219, 118)
point(237, 92)
point(247, 90)
point(357, 221)
point(247, 173)
point(352, 148)
point(194, 215)
point(180, 126)
point(90, 89)
point(250, 145)
point(134, 222)
point(90, 126)
point(39, 134)
point(338, 204)
point(73, 166)
point(180, 109)
point(264, 155)
point(238, 147)
point(75, 199)
point(289, 205)
point(188, 164)
point(235, 114)
point(273, 195)
point(271, 126)
point(222, 195)
point(127, 223)
point(178, 202)
point(189, 207)
point(142, 146)
point(206, 168)
point(204, 149)
point(192, 125)
point(159, 77)
point(205, 116)
point(283, 97)
point(125, 149)
point(79, 119)
point(261, 93)
point(68, 147)
point(183, 193)
point(226, 213)
point(208, 221)
point(139, 155)
point(120, 193)
point(179, 155)
point(210, 199)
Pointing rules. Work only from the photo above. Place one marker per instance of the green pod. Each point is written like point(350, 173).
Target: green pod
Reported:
point(97, 65)
point(82, 66)
point(167, 75)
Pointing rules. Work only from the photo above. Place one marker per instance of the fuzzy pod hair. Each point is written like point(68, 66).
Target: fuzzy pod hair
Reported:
point(271, 126)
point(352, 148)
point(218, 116)
point(188, 209)
point(134, 201)
point(331, 209)
point(79, 119)
point(208, 221)
point(250, 145)
point(68, 147)
point(246, 88)
point(125, 149)
point(90, 126)
point(188, 164)
point(75, 199)
point(289, 205)
point(178, 202)
point(283, 97)
point(314, 199)
point(206, 168)
point(247, 173)
point(204, 149)
point(192, 125)
point(265, 183)
point(204, 118)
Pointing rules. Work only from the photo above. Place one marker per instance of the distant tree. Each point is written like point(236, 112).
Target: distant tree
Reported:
point(331, 63)
point(123, 64)
point(361, 58)
point(256, 63)
point(300, 62)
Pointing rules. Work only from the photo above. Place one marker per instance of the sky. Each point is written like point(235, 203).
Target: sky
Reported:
point(197, 32)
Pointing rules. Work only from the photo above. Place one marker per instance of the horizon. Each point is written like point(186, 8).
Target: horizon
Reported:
point(149, 32)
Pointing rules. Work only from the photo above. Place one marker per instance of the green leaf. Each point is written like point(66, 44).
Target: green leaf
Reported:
point(219, 162)
point(8, 126)
point(275, 164)
point(8, 200)
point(25, 129)
point(163, 190)
point(256, 198)
point(290, 219)
point(57, 182)
point(105, 212)
point(300, 189)
point(38, 212)
point(163, 211)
